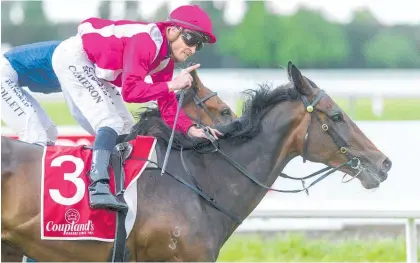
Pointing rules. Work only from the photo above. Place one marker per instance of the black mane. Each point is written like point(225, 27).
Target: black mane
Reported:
point(259, 102)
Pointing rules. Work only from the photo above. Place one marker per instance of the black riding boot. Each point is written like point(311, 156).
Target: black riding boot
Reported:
point(99, 192)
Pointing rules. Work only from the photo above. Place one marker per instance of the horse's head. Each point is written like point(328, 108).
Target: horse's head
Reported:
point(325, 134)
point(204, 106)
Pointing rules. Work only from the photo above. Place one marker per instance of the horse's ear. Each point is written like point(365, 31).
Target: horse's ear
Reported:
point(194, 75)
point(289, 70)
point(300, 83)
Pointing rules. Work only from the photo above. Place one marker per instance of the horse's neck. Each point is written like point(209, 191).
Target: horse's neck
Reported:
point(230, 188)
point(265, 166)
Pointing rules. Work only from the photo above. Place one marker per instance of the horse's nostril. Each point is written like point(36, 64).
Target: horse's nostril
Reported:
point(386, 165)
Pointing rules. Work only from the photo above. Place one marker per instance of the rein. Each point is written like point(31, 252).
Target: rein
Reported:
point(199, 102)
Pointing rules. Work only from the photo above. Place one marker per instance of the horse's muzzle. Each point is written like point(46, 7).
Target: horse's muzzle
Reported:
point(386, 166)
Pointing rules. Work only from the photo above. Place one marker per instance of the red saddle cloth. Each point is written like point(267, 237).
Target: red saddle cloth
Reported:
point(65, 211)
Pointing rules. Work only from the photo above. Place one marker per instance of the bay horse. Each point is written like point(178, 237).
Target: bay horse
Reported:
point(210, 186)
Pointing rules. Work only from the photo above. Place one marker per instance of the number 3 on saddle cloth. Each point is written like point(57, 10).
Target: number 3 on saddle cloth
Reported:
point(65, 211)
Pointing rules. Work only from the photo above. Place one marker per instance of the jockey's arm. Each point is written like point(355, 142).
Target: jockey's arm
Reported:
point(139, 53)
point(168, 105)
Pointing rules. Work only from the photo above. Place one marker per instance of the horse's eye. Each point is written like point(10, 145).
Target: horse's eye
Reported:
point(337, 117)
point(225, 112)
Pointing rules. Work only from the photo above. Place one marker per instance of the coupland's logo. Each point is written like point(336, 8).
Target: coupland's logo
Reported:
point(72, 215)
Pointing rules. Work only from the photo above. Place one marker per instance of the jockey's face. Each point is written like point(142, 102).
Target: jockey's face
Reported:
point(184, 43)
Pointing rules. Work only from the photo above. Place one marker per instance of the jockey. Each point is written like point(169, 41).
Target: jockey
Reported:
point(105, 54)
point(88, 67)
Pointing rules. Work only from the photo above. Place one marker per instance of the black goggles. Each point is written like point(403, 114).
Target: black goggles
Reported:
point(191, 39)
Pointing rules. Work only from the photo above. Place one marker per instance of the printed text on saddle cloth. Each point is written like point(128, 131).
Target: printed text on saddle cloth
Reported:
point(66, 214)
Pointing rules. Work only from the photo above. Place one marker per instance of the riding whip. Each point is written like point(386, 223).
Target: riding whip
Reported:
point(168, 150)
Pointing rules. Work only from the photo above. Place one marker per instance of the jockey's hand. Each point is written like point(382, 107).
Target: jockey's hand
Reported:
point(183, 80)
point(194, 131)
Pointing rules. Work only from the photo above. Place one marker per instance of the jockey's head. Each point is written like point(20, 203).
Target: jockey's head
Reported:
point(189, 27)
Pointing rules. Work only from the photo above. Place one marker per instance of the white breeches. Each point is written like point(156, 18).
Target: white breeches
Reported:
point(94, 103)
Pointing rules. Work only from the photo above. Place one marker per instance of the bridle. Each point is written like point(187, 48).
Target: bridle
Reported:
point(353, 162)
point(200, 103)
